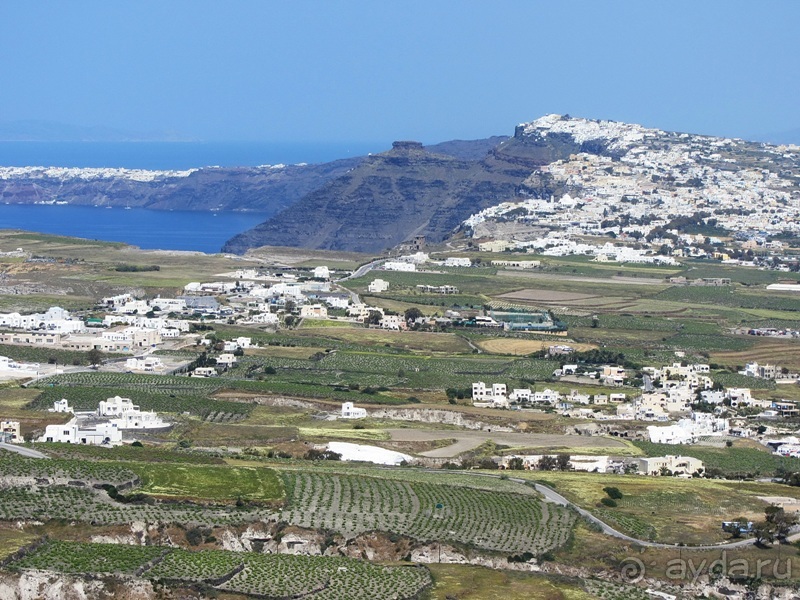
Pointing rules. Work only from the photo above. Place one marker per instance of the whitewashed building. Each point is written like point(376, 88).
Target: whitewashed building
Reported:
point(10, 432)
point(377, 286)
point(349, 411)
point(98, 434)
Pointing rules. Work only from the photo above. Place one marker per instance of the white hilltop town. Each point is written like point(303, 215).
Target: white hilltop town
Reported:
point(642, 191)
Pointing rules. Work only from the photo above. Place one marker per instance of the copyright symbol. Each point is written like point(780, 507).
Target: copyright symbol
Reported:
point(632, 570)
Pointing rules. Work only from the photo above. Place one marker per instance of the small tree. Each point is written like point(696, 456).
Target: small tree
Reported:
point(95, 357)
point(764, 533)
point(516, 464)
point(781, 522)
point(546, 463)
point(412, 314)
point(562, 462)
point(374, 317)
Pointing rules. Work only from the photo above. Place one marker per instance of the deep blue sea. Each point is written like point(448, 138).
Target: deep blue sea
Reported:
point(150, 229)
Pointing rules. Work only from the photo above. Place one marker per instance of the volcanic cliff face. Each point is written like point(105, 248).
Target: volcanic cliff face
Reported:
point(393, 196)
point(266, 189)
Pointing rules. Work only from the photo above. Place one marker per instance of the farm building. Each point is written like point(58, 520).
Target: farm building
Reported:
point(9, 432)
point(377, 286)
point(84, 432)
point(204, 372)
point(677, 465)
point(349, 411)
point(525, 319)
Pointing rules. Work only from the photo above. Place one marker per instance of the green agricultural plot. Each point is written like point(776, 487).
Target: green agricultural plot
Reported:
point(86, 472)
point(324, 578)
point(12, 540)
point(125, 452)
point(70, 557)
point(209, 483)
point(82, 504)
point(84, 393)
point(511, 523)
point(264, 576)
point(403, 340)
point(466, 582)
point(309, 323)
point(666, 509)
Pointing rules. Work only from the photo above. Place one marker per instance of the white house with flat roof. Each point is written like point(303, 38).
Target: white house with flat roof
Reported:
point(677, 465)
point(61, 406)
point(10, 432)
point(395, 265)
point(377, 286)
point(349, 411)
point(126, 415)
point(97, 434)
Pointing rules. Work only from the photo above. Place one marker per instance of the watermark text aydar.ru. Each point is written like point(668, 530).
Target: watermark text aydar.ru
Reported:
point(688, 570)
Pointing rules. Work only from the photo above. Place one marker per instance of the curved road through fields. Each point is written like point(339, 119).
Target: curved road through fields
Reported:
point(550, 495)
point(22, 450)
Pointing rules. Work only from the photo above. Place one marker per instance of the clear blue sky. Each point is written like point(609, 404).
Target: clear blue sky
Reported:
point(431, 70)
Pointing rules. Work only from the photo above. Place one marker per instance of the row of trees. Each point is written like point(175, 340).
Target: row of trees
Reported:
point(560, 462)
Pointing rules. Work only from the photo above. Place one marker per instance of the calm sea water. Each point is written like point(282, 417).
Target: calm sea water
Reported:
point(178, 230)
point(176, 155)
point(149, 229)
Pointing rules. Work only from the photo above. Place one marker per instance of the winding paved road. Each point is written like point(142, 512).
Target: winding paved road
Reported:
point(550, 495)
point(22, 450)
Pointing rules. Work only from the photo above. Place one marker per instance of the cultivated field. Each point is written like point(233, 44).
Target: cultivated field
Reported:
point(522, 347)
point(264, 576)
point(510, 523)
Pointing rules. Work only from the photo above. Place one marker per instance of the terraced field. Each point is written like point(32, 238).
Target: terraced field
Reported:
point(510, 523)
point(85, 505)
point(260, 575)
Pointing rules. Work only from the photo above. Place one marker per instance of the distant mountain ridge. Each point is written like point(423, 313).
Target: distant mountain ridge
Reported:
point(610, 171)
point(261, 189)
point(389, 198)
point(410, 190)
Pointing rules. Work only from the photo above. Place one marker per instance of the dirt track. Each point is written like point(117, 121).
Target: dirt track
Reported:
point(467, 440)
point(557, 277)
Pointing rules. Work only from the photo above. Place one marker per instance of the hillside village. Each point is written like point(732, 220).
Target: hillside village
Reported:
point(680, 397)
point(668, 195)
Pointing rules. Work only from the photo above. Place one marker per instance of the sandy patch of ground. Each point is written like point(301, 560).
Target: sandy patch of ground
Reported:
point(373, 454)
point(538, 295)
point(522, 347)
point(788, 504)
point(612, 279)
point(468, 440)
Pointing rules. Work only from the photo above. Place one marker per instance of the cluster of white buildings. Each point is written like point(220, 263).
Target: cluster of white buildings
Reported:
point(103, 427)
point(409, 262)
point(497, 396)
point(680, 466)
point(773, 372)
point(655, 177)
point(56, 320)
point(558, 244)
